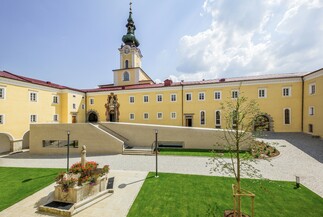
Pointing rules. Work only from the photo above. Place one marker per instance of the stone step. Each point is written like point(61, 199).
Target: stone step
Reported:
point(137, 151)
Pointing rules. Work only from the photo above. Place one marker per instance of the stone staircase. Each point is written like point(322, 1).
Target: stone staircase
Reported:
point(129, 150)
point(115, 134)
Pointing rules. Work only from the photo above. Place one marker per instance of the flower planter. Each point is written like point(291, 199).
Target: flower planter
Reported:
point(78, 193)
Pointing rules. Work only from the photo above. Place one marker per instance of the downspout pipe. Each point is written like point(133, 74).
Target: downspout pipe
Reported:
point(302, 111)
point(182, 103)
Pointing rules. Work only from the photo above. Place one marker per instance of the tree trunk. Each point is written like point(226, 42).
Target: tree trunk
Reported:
point(238, 167)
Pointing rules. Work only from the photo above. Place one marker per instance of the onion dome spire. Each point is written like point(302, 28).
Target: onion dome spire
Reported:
point(130, 38)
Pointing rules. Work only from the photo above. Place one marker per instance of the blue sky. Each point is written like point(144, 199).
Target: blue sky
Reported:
point(75, 42)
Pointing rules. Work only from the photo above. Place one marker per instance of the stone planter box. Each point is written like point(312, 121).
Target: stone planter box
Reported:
point(79, 193)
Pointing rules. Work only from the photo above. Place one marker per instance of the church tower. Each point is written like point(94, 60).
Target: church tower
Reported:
point(130, 72)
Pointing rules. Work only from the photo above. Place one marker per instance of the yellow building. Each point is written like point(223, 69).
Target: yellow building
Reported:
point(289, 102)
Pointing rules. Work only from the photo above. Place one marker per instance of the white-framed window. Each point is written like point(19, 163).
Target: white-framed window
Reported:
point(55, 118)
point(287, 91)
point(287, 116)
point(218, 119)
point(234, 94)
point(188, 97)
point(74, 106)
point(311, 110)
point(146, 98)
point(202, 117)
point(2, 93)
point(131, 99)
point(1, 119)
point(33, 118)
point(55, 99)
point(159, 115)
point(132, 116)
point(173, 97)
point(126, 76)
point(91, 101)
point(201, 96)
point(262, 93)
point(312, 89)
point(159, 98)
point(217, 95)
point(126, 63)
point(146, 115)
point(83, 106)
point(173, 115)
point(33, 96)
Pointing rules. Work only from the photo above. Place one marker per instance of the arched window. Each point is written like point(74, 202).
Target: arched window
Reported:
point(126, 64)
point(202, 117)
point(126, 76)
point(217, 119)
point(234, 119)
point(287, 116)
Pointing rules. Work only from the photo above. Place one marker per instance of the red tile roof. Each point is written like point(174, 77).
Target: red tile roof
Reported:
point(144, 86)
point(211, 81)
point(10, 75)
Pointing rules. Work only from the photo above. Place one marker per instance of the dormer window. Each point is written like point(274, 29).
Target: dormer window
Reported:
point(126, 76)
point(126, 64)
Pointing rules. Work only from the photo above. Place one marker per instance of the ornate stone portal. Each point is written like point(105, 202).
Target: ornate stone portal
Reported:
point(112, 112)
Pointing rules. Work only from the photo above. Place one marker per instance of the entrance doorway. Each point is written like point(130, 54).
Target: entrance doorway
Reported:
point(74, 119)
point(112, 117)
point(262, 123)
point(189, 120)
point(93, 118)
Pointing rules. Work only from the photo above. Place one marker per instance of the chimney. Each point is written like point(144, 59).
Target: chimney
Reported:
point(168, 82)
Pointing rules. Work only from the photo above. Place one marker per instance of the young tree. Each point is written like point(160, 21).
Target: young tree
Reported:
point(239, 115)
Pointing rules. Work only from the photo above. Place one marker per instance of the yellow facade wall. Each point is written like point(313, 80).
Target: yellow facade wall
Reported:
point(17, 107)
point(132, 76)
point(125, 57)
point(313, 100)
point(273, 104)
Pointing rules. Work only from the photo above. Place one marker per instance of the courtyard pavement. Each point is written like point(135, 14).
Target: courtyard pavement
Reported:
point(301, 155)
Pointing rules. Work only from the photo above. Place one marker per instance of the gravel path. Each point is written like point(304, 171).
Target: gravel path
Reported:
point(301, 155)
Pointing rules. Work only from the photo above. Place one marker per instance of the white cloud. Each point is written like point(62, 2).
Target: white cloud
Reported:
point(254, 37)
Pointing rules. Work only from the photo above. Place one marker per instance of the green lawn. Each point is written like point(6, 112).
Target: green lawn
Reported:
point(199, 152)
point(192, 195)
point(18, 183)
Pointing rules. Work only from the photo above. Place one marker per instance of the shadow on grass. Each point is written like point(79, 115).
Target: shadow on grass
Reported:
point(123, 185)
point(39, 177)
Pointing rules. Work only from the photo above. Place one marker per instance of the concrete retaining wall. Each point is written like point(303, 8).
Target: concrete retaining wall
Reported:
point(190, 137)
point(96, 140)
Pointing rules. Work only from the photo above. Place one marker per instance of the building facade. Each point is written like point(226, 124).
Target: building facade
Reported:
point(289, 102)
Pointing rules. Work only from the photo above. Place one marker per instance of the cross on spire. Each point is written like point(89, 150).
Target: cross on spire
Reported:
point(130, 38)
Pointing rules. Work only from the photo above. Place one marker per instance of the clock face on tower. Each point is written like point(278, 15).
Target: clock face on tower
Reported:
point(126, 49)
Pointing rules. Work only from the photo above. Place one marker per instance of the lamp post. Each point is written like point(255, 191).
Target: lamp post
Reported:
point(156, 150)
point(68, 150)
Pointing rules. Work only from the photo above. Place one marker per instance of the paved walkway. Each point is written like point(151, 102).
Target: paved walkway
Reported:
point(301, 155)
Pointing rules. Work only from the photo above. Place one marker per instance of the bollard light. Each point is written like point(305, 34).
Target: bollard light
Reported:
point(156, 150)
point(298, 182)
point(68, 151)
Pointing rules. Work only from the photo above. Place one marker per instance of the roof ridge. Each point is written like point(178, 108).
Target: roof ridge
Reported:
point(18, 76)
